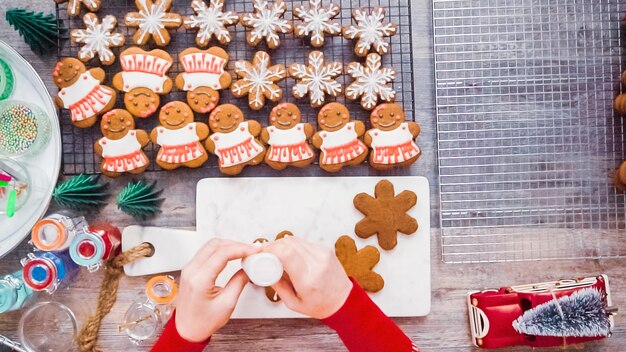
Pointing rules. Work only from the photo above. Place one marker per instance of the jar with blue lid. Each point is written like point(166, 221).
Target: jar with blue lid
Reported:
point(48, 271)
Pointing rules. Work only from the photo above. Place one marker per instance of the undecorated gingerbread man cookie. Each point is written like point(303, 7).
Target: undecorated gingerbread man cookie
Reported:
point(179, 137)
point(287, 138)
point(234, 140)
point(81, 91)
point(122, 144)
point(338, 138)
point(359, 264)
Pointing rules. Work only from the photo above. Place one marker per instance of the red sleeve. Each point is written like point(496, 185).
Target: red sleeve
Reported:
point(362, 326)
point(171, 341)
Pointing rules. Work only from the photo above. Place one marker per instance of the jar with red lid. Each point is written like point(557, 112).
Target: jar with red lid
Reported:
point(94, 246)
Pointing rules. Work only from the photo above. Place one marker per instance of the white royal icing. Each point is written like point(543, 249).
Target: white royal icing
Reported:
point(211, 21)
point(152, 19)
point(393, 140)
point(370, 82)
point(181, 136)
point(318, 78)
point(316, 20)
point(342, 136)
point(202, 70)
point(294, 137)
point(226, 141)
point(137, 79)
point(79, 90)
point(258, 80)
point(266, 21)
point(120, 147)
point(97, 38)
point(370, 30)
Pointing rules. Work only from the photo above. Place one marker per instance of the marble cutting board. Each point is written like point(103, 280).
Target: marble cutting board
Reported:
point(319, 209)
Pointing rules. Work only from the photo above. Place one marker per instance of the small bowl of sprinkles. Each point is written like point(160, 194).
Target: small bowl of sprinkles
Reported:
point(24, 128)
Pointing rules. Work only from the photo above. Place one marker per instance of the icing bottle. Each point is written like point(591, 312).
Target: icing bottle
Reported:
point(14, 294)
point(95, 245)
point(47, 271)
point(55, 232)
point(145, 317)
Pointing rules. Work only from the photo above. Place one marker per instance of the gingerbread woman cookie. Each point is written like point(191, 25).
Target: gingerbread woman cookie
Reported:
point(371, 82)
point(258, 80)
point(359, 264)
point(266, 22)
point(317, 79)
point(287, 138)
point(74, 6)
point(179, 137)
point(370, 31)
point(317, 19)
point(385, 214)
point(122, 144)
point(97, 38)
point(204, 74)
point(338, 138)
point(391, 138)
point(210, 21)
point(234, 140)
point(153, 20)
point(81, 91)
point(143, 79)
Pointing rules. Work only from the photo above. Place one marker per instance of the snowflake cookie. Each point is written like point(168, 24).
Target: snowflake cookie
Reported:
point(210, 21)
point(370, 82)
point(258, 80)
point(317, 79)
point(97, 38)
point(73, 6)
point(316, 20)
point(153, 20)
point(370, 31)
point(266, 22)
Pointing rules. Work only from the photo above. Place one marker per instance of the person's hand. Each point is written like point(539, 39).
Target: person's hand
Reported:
point(316, 284)
point(202, 307)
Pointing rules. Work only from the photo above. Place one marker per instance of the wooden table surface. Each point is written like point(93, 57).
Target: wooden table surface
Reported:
point(444, 329)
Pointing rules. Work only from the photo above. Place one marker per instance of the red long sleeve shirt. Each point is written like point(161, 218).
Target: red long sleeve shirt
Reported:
point(360, 324)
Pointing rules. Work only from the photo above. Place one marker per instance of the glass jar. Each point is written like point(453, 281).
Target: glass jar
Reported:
point(14, 294)
point(48, 326)
point(56, 232)
point(94, 246)
point(47, 271)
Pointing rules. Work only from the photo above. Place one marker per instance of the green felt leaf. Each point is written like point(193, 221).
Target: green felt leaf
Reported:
point(80, 192)
point(139, 199)
point(40, 32)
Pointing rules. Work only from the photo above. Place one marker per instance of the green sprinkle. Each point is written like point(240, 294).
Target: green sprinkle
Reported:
point(18, 129)
point(3, 183)
point(11, 203)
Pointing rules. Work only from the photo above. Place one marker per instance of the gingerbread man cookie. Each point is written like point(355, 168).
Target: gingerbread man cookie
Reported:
point(258, 80)
point(286, 138)
point(370, 31)
point(317, 79)
point(317, 19)
point(81, 91)
point(359, 264)
point(371, 82)
point(270, 293)
point(179, 137)
point(391, 138)
point(619, 178)
point(121, 147)
point(234, 140)
point(204, 74)
point(143, 79)
point(153, 20)
point(266, 22)
point(97, 38)
point(210, 22)
point(338, 138)
point(74, 6)
point(385, 214)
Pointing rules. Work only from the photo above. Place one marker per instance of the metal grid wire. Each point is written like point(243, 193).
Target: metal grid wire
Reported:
point(78, 155)
point(526, 131)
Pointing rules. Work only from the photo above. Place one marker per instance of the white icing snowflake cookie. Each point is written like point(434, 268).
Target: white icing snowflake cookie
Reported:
point(211, 21)
point(266, 22)
point(370, 31)
point(371, 82)
point(317, 79)
point(258, 80)
point(153, 20)
point(97, 38)
point(74, 6)
point(316, 20)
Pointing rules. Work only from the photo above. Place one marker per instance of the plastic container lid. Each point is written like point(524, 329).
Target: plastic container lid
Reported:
point(49, 234)
point(161, 289)
point(87, 249)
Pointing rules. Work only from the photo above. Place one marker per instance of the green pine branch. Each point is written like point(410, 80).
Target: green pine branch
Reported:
point(139, 199)
point(39, 31)
point(80, 192)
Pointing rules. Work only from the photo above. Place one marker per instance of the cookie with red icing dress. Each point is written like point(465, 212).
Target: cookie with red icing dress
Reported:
point(234, 140)
point(287, 138)
point(391, 138)
point(338, 138)
point(122, 144)
point(82, 92)
point(143, 78)
point(180, 137)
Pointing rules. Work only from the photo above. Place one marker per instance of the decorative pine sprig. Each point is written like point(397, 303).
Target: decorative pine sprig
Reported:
point(139, 199)
point(80, 192)
point(39, 31)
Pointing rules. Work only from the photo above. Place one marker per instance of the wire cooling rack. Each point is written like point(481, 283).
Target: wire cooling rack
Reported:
point(78, 155)
point(526, 131)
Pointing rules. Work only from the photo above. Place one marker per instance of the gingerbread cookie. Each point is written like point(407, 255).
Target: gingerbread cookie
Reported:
point(121, 147)
point(97, 38)
point(338, 138)
point(287, 138)
point(258, 80)
point(371, 82)
point(317, 19)
point(179, 137)
point(143, 79)
point(234, 140)
point(359, 264)
point(386, 214)
point(270, 293)
point(619, 178)
point(74, 6)
point(81, 91)
point(370, 31)
point(153, 20)
point(266, 22)
point(204, 74)
point(391, 138)
point(210, 22)
point(317, 79)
